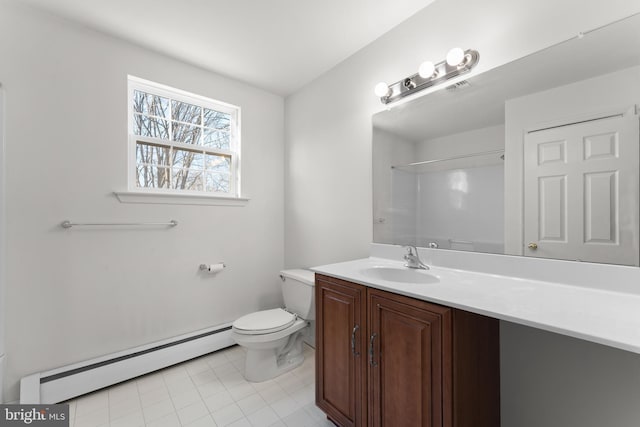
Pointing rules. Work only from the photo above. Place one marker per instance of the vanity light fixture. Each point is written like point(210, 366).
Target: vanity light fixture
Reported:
point(382, 89)
point(457, 62)
point(455, 57)
point(427, 69)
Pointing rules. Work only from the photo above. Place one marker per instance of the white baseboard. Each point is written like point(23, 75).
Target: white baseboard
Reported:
point(66, 382)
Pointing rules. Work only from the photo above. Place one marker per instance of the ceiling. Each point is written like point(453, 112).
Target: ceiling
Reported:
point(277, 45)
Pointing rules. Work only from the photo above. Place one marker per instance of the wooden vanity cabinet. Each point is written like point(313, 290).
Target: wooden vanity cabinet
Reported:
point(384, 359)
point(341, 371)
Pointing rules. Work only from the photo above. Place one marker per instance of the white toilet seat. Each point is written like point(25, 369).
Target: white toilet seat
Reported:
point(273, 339)
point(264, 322)
point(248, 339)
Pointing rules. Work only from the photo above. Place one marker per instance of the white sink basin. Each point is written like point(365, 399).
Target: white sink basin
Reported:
point(400, 275)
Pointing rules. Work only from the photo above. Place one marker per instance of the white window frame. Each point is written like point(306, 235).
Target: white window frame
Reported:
point(136, 83)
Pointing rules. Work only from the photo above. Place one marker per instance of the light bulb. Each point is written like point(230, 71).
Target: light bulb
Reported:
point(382, 89)
point(426, 69)
point(455, 56)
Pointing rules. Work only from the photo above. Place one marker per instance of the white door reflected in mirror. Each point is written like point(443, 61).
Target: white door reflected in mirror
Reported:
point(581, 190)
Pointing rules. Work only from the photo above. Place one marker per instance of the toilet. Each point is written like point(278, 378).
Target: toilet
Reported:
point(273, 338)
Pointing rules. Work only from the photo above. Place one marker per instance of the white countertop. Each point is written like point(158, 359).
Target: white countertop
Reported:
point(603, 316)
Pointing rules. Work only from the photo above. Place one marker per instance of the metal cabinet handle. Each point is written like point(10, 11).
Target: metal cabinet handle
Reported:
point(353, 340)
point(532, 246)
point(371, 340)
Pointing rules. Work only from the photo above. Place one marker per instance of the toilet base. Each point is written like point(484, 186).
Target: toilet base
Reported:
point(265, 364)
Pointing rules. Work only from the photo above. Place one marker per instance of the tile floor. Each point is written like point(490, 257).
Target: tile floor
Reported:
point(206, 392)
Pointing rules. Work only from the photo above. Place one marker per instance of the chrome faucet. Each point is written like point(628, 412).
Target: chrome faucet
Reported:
point(413, 259)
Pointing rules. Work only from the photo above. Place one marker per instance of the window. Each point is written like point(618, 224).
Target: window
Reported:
point(181, 143)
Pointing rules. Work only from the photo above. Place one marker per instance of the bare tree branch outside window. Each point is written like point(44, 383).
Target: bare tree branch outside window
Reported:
point(191, 165)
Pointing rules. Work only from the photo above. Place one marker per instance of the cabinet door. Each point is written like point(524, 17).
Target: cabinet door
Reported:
point(340, 351)
point(409, 362)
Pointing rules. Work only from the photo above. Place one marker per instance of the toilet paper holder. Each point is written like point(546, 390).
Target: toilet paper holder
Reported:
point(205, 267)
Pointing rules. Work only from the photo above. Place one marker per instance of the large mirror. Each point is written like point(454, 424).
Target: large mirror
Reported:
point(538, 157)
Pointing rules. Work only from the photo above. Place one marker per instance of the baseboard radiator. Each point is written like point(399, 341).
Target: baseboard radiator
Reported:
point(66, 382)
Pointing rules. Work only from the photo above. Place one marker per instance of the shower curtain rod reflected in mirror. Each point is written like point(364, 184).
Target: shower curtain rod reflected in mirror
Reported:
point(465, 156)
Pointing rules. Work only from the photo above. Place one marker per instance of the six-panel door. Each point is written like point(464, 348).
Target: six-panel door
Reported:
point(581, 191)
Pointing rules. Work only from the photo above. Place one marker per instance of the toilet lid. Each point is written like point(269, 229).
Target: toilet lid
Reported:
point(264, 322)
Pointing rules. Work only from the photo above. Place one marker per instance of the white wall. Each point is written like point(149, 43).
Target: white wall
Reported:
point(459, 144)
point(328, 159)
point(392, 150)
point(460, 202)
point(80, 293)
point(404, 207)
point(462, 209)
point(426, 204)
point(3, 231)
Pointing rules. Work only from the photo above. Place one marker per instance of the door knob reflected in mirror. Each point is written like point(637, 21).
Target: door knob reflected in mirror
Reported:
point(532, 246)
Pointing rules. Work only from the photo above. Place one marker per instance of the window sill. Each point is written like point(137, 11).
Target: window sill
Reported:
point(177, 199)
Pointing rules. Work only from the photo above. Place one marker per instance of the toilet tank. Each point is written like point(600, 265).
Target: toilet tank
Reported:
point(298, 292)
